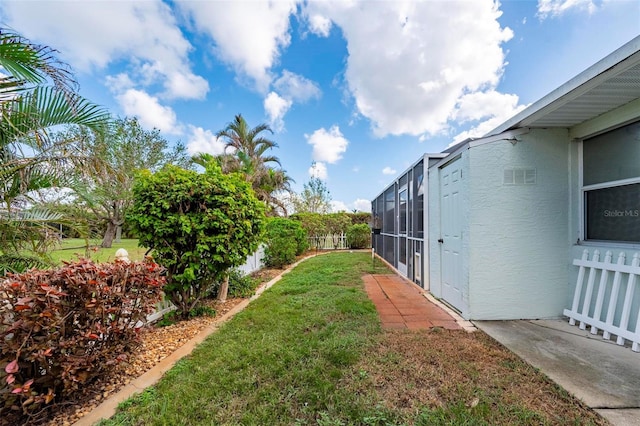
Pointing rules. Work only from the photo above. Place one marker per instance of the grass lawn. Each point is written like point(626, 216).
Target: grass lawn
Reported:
point(72, 248)
point(310, 351)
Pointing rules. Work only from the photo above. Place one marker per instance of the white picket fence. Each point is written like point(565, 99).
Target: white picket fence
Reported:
point(604, 313)
point(329, 242)
point(162, 307)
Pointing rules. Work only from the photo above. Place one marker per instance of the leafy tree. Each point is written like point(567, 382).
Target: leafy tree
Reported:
point(247, 152)
point(198, 225)
point(37, 94)
point(314, 198)
point(122, 149)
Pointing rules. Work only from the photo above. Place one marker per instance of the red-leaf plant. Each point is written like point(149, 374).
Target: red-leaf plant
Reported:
point(62, 328)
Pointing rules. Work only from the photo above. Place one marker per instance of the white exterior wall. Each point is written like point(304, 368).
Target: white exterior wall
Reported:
point(518, 234)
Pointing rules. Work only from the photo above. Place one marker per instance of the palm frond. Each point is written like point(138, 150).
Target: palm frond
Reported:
point(43, 108)
point(16, 263)
point(32, 64)
point(36, 215)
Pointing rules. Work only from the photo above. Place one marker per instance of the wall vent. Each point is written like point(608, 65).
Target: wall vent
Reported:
point(519, 177)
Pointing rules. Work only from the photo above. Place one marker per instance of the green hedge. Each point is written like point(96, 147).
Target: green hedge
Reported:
point(286, 239)
point(359, 236)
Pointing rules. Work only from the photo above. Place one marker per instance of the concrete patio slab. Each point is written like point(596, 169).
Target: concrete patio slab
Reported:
point(621, 416)
point(603, 375)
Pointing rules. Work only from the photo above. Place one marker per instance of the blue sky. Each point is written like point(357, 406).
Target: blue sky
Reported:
point(360, 88)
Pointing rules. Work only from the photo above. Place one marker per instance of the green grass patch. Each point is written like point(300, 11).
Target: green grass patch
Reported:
point(310, 351)
point(280, 361)
point(72, 248)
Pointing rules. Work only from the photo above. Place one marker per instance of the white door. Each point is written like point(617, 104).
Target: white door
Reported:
point(451, 233)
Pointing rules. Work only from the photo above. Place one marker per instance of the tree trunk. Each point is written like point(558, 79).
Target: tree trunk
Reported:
point(224, 289)
point(118, 233)
point(109, 235)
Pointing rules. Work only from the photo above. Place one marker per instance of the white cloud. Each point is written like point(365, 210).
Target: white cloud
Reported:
point(491, 123)
point(186, 86)
point(318, 170)
point(119, 83)
point(319, 25)
point(426, 55)
point(249, 36)
point(203, 141)
point(292, 88)
point(149, 111)
point(490, 106)
point(359, 205)
point(328, 146)
point(388, 171)
point(276, 107)
point(338, 206)
point(362, 205)
point(558, 7)
point(296, 88)
point(481, 105)
point(95, 34)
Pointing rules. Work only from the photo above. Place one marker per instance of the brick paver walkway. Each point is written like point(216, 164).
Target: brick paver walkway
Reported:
point(401, 305)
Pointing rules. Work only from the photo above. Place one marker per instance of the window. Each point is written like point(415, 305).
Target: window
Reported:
point(418, 190)
point(402, 219)
point(611, 185)
point(388, 225)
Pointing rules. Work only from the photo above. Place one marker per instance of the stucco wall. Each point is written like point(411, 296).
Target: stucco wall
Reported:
point(518, 234)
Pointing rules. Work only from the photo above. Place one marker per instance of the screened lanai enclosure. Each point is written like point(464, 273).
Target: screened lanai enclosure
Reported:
point(400, 223)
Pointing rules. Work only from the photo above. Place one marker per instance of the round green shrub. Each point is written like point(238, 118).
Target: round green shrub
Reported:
point(199, 225)
point(285, 239)
point(359, 236)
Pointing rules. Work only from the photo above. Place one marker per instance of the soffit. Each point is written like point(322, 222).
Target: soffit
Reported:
point(606, 96)
point(607, 85)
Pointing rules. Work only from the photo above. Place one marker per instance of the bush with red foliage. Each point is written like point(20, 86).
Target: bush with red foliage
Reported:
point(62, 328)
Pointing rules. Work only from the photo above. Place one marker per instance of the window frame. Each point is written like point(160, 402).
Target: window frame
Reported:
point(584, 189)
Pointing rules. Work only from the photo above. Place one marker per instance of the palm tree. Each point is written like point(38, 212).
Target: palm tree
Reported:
point(37, 95)
point(246, 152)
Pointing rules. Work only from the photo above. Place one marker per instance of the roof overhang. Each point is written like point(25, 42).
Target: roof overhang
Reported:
point(608, 85)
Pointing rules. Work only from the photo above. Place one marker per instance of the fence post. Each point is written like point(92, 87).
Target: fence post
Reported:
point(615, 289)
point(601, 290)
point(626, 309)
point(576, 294)
point(587, 297)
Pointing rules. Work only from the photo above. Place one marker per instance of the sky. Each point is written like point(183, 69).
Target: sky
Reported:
point(354, 91)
